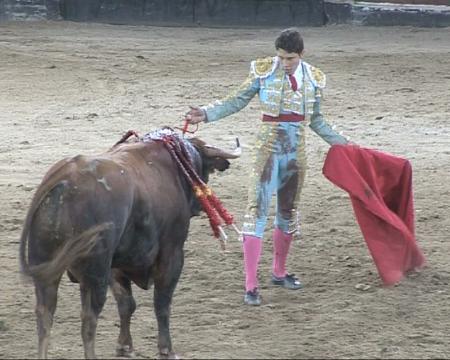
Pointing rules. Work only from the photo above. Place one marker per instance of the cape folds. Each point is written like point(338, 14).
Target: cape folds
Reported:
point(380, 189)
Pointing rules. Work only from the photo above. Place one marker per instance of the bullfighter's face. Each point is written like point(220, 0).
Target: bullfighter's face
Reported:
point(289, 61)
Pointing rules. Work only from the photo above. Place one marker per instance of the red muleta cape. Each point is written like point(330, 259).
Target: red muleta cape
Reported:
point(380, 188)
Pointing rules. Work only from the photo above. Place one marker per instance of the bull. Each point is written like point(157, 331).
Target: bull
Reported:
point(111, 220)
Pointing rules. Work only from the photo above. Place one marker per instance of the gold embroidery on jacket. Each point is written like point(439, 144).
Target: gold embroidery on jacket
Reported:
point(292, 101)
point(274, 90)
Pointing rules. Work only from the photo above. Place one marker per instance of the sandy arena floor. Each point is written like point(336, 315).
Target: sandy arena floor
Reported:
point(69, 88)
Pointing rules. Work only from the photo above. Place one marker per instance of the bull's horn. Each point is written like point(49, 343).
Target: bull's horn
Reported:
point(212, 151)
point(238, 150)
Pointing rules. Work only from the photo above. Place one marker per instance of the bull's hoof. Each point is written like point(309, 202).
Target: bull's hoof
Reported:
point(166, 354)
point(125, 351)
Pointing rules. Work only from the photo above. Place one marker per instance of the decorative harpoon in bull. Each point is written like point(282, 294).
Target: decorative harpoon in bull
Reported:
point(209, 201)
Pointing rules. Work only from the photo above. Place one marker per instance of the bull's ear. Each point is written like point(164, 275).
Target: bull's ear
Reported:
point(198, 143)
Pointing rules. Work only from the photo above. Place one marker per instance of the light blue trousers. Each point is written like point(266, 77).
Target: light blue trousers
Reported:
point(279, 168)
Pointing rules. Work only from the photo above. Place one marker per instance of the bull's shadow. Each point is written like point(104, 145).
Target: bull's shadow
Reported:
point(108, 220)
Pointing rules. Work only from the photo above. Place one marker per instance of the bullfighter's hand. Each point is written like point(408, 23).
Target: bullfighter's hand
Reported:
point(195, 115)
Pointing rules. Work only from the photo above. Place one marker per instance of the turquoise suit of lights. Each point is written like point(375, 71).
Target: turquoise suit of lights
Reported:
point(279, 162)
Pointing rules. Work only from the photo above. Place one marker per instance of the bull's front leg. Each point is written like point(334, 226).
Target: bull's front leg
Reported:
point(121, 289)
point(169, 268)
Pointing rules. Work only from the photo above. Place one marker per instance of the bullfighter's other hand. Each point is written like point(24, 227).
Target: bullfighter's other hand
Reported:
point(195, 115)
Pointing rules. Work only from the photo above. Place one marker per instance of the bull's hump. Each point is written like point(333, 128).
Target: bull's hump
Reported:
point(92, 162)
point(101, 170)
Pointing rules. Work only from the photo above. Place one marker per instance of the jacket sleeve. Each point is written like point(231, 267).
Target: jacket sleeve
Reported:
point(322, 128)
point(234, 102)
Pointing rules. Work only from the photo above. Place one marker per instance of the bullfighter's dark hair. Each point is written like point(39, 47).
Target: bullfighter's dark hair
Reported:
point(290, 41)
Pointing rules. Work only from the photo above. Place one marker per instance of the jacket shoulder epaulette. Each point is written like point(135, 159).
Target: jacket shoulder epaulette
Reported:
point(263, 67)
point(318, 77)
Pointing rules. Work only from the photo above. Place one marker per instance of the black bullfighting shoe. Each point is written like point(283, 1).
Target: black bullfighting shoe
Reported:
point(252, 298)
point(289, 282)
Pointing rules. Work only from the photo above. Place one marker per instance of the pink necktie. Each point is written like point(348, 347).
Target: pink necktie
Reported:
point(293, 82)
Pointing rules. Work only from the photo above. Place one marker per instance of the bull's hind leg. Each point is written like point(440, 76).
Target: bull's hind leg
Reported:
point(46, 299)
point(168, 273)
point(121, 289)
point(93, 297)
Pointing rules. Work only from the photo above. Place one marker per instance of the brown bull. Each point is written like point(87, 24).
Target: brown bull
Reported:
point(112, 219)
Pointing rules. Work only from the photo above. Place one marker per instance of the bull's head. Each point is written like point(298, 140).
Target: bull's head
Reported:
point(212, 159)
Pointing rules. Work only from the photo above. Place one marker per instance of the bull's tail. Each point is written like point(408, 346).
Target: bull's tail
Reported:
point(74, 249)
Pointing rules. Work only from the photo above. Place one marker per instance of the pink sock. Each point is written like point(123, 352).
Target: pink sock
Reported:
point(252, 246)
point(281, 243)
